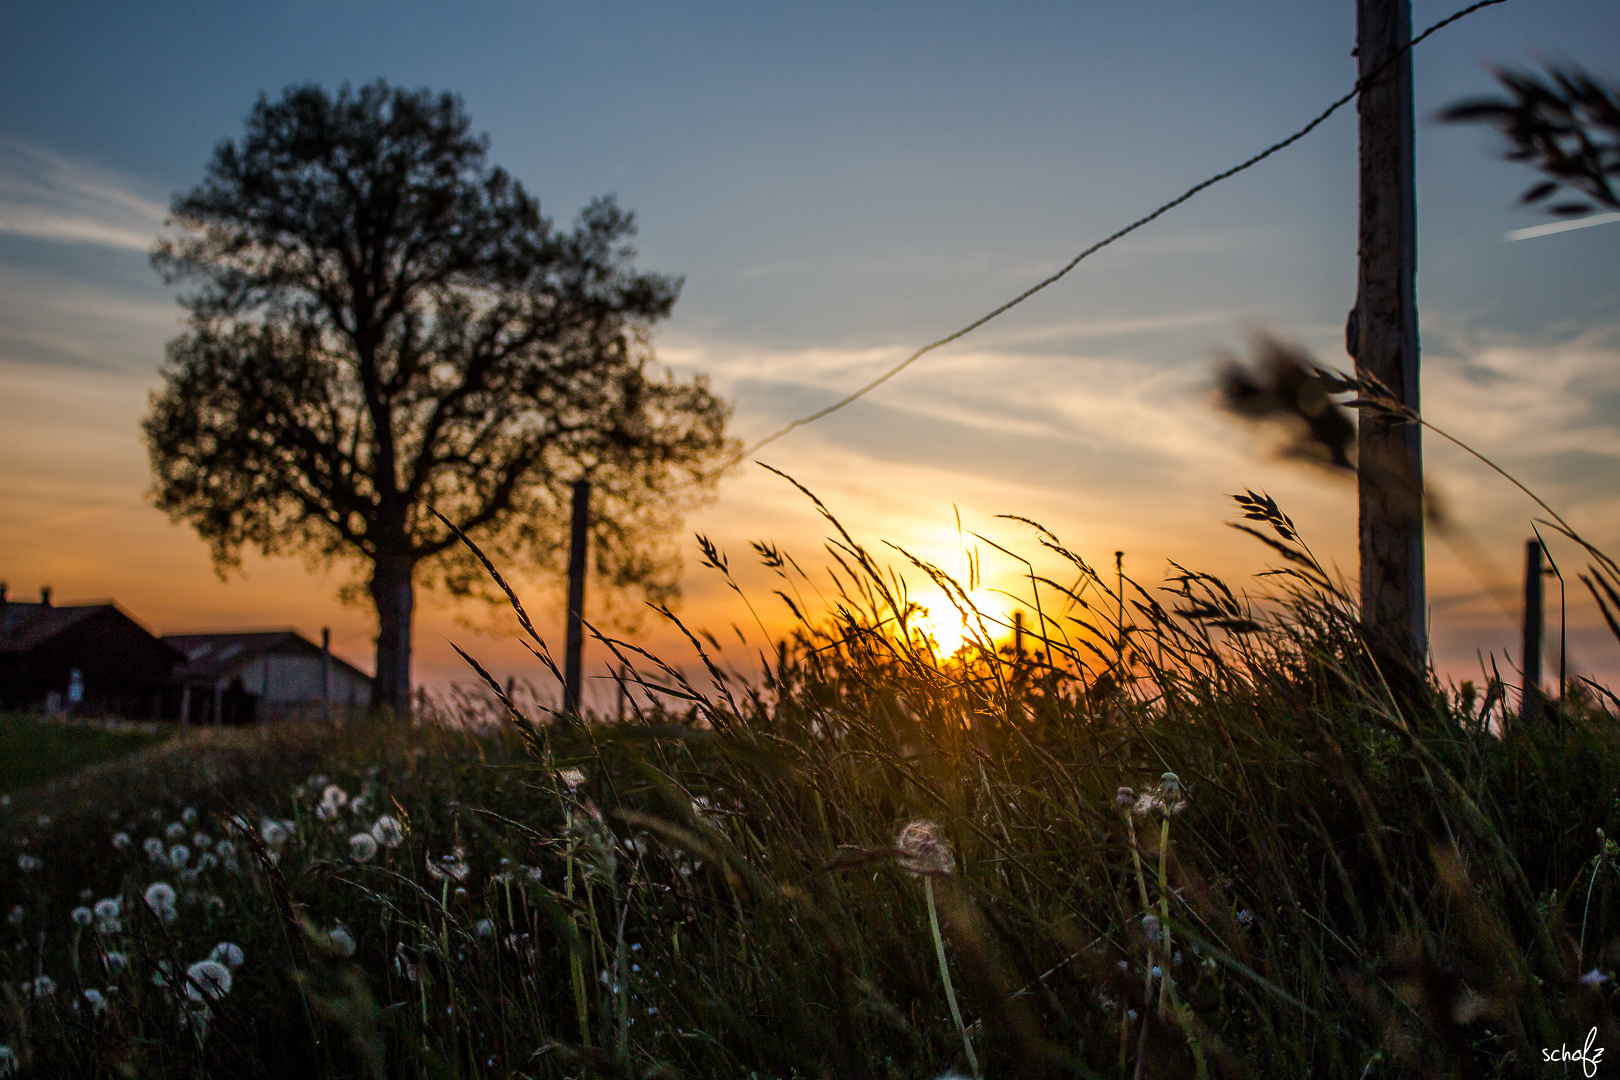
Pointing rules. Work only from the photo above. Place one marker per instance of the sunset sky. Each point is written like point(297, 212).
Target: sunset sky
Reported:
point(840, 184)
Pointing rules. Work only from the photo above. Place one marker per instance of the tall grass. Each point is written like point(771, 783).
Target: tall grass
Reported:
point(866, 859)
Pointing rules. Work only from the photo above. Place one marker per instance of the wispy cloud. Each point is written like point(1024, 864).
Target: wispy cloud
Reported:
point(47, 196)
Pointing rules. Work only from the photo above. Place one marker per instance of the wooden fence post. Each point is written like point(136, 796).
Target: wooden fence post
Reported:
point(1530, 653)
point(573, 659)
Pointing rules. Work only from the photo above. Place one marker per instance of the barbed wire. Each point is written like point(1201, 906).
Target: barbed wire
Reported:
point(1361, 84)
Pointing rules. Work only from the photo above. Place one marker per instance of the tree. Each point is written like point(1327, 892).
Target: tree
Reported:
point(382, 323)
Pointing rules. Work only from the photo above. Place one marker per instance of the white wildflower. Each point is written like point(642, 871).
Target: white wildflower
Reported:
point(274, 833)
point(117, 962)
point(572, 778)
point(28, 863)
point(82, 916)
point(362, 847)
point(453, 865)
point(1594, 978)
point(109, 914)
point(484, 928)
point(179, 855)
point(333, 800)
point(175, 831)
point(154, 848)
point(202, 841)
point(228, 954)
point(188, 815)
point(207, 980)
point(121, 841)
point(15, 916)
point(42, 987)
point(97, 1001)
point(388, 832)
point(160, 898)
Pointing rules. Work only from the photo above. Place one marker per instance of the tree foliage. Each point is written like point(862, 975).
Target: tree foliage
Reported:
point(381, 322)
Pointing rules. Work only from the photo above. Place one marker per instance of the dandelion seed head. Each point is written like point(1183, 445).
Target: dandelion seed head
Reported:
point(228, 954)
point(202, 841)
point(175, 831)
point(1124, 797)
point(28, 863)
point(388, 831)
point(121, 841)
point(484, 928)
point(42, 987)
point(273, 832)
point(82, 916)
point(207, 980)
point(923, 849)
point(96, 1000)
point(116, 962)
point(362, 847)
point(154, 848)
point(572, 778)
point(179, 855)
point(341, 940)
point(188, 815)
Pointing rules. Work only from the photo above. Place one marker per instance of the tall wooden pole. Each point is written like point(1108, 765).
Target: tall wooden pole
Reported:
point(1383, 338)
point(1530, 655)
point(573, 658)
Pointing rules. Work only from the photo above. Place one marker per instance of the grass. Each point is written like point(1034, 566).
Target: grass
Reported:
point(34, 749)
point(1345, 875)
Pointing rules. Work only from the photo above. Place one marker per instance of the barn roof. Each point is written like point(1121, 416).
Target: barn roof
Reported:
point(213, 657)
point(24, 626)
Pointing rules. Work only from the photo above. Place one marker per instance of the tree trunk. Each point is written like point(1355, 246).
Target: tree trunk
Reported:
point(393, 593)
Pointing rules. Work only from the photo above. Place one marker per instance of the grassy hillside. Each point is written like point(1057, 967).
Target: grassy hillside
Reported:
point(33, 749)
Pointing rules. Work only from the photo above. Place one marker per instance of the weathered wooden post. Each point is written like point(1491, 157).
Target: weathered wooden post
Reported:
point(573, 659)
point(1382, 336)
point(326, 674)
point(1530, 653)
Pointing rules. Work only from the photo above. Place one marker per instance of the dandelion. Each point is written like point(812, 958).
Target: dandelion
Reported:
point(121, 841)
point(44, 821)
point(15, 916)
point(42, 987)
point(202, 841)
point(273, 832)
point(572, 778)
point(160, 898)
point(388, 832)
point(362, 847)
point(28, 863)
point(1124, 797)
point(207, 980)
point(1245, 918)
point(117, 962)
point(97, 1001)
point(154, 848)
point(333, 800)
point(1147, 804)
point(82, 916)
point(484, 928)
point(924, 851)
point(228, 954)
point(453, 865)
point(188, 815)
point(533, 872)
point(207, 861)
point(179, 855)
point(175, 831)
point(1151, 927)
point(226, 851)
point(1594, 978)
point(341, 940)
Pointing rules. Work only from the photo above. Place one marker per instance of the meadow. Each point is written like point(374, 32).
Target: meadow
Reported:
point(1181, 831)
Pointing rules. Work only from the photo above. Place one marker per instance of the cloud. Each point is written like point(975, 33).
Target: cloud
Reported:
point(47, 196)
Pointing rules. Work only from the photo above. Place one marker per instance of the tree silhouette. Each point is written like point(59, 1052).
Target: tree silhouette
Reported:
point(383, 323)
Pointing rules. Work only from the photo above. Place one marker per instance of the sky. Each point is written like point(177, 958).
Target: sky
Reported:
point(840, 184)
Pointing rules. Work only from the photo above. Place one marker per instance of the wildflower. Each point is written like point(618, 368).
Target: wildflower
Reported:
point(453, 865)
point(28, 863)
point(121, 841)
point(117, 962)
point(923, 850)
point(1150, 927)
point(207, 980)
point(179, 855)
point(1170, 794)
point(341, 940)
point(572, 778)
point(362, 847)
point(533, 872)
point(175, 831)
point(484, 928)
point(98, 1002)
point(228, 954)
point(226, 851)
point(1594, 978)
point(188, 815)
point(44, 821)
point(274, 833)
point(42, 987)
point(160, 898)
point(388, 832)
point(15, 916)
point(82, 916)
point(202, 841)
point(1124, 797)
point(1245, 917)
point(207, 861)
point(1147, 803)
point(154, 848)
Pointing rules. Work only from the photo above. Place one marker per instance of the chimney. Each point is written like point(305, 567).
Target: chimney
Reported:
point(45, 596)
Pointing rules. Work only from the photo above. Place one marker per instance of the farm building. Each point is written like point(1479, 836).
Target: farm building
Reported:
point(90, 658)
point(237, 678)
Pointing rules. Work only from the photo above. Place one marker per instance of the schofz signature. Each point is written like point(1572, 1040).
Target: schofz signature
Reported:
point(1588, 1055)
